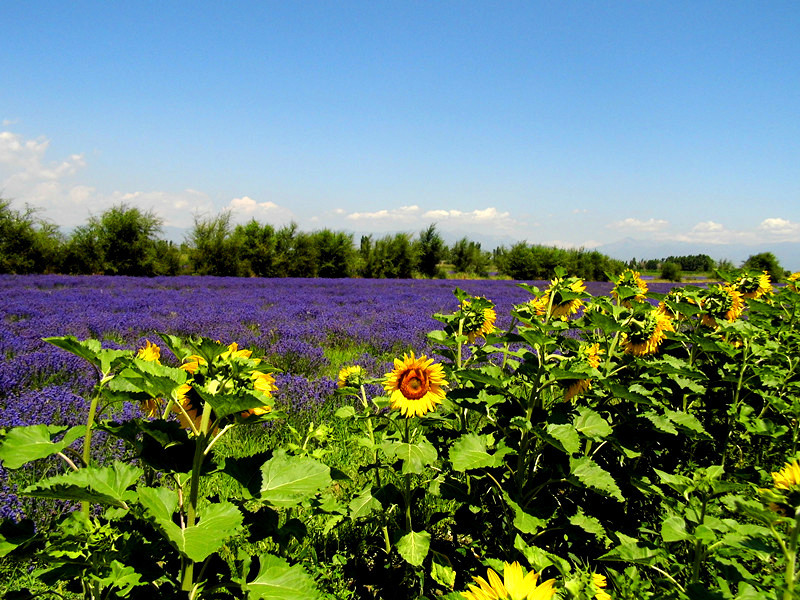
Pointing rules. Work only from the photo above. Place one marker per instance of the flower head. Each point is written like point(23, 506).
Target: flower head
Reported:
point(352, 376)
point(150, 352)
point(588, 354)
point(637, 288)
point(415, 385)
point(792, 281)
point(553, 297)
point(646, 333)
point(234, 352)
point(515, 585)
point(722, 302)
point(788, 477)
point(477, 322)
point(600, 583)
point(192, 363)
point(753, 286)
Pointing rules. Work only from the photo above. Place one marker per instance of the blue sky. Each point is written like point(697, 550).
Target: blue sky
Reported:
point(566, 123)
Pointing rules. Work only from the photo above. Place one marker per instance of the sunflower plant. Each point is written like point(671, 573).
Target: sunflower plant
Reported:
point(152, 526)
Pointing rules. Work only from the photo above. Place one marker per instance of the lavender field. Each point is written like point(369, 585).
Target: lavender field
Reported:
point(306, 327)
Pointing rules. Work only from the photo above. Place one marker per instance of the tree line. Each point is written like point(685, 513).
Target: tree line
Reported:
point(125, 240)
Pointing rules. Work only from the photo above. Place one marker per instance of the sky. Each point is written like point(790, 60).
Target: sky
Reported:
point(567, 123)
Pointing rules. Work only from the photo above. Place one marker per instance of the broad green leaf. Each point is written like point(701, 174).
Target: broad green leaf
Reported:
point(470, 452)
point(91, 350)
point(523, 521)
point(290, 480)
point(591, 424)
point(229, 404)
point(277, 580)
point(345, 412)
point(562, 436)
point(673, 529)
point(590, 525)
point(415, 456)
point(442, 573)
point(122, 577)
point(216, 523)
point(364, 504)
point(152, 378)
point(103, 485)
point(661, 423)
point(592, 475)
point(632, 552)
point(540, 559)
point(686, 421)
point(24, 444)
point(679, 483)
point(414, 546)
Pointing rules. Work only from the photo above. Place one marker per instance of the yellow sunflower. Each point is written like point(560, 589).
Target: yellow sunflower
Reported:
point(722, 302)
point(788, 477)
point(599, 582)
point(193, 363)
point(753, 286)
point(515, 585)
point(150, 352)
point(352, 376)
point(234, 352)
point(792, 281)
point(264, 383)
point(477, 323)
point(633, 280)
point(560, 308)
point(591, 355)
point(192, 412)
point(646, 333)
point(415, 385)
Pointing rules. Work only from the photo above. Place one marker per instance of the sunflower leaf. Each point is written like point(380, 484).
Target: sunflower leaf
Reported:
point(414, 546)
point(290, 480)
point(278, 580)
point(24, 444)
point(592, 475)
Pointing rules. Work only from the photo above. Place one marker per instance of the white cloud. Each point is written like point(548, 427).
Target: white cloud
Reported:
point(775, 226)
point(245, 208)
point(638, 225)
point(404, 214)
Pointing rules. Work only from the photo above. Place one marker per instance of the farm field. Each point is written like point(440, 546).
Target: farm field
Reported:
point(612, 437)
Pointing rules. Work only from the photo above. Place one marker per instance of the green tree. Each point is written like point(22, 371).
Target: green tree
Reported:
point(671, 271)
point(212, 250)
point(468, 257)
point(430, 250)
point(334, 253)
point(256, 245)
point(27, 244)
point(126, 237)
point(83, 254)
point(765, 261)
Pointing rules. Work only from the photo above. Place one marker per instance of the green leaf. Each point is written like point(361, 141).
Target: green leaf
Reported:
point(686, 421)
point(673, 529)
point(590, 525)
point(661, 423)
point(229, 404)
point(540, 559)
point(632, 552)
point(150, 377)
point(591, 424)
point(562, 436)
point(364, 504)
point(216, 523)
point(104, 485)
point(415, 456)
point(592, 475)
point(278, 580)
point(289, 480)
point(24, 444)
point(413, 547)
point(523, 521)
point(442, 573)
point(91, 350)
point(13, 535)
point(470, 452)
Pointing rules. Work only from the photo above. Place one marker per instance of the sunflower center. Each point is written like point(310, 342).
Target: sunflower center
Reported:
point(413, 384)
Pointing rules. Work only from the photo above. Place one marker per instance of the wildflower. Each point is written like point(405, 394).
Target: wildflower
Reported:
point(477, 323)
point(723, 302)
point(352, 376)
point(788, 477)
point(150, 352)
point(599, 582)
point(646, 334)
point(633, 280)
point(792, 281)
point(560, 308)
point(750, 286)
point(590, 354)
point(415, 385)
point(515, 585)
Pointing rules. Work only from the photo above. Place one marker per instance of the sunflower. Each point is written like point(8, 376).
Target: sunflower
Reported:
point(753, 286)
point(553, 298)
point(599, 582)
point(723, 302)
point(515, 585)
point(415, 385)
point(264, 383)
point(234, 352)
point(792, 281)
point(590, 354)
point(477, 323)
point(352, 376)
point(150, 352)
point(676, 296)
point(788, 477)
point(632, 280)
point(647, 333)
point(191, 413)
point(192, 363)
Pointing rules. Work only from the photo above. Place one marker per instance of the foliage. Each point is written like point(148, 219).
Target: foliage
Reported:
point(522, 261)
point(765, 261)
point(27, 244)
point(671, 271)
point(467, 257)
point(430, 250)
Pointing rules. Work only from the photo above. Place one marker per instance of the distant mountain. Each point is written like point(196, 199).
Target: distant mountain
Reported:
point(787, 253)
